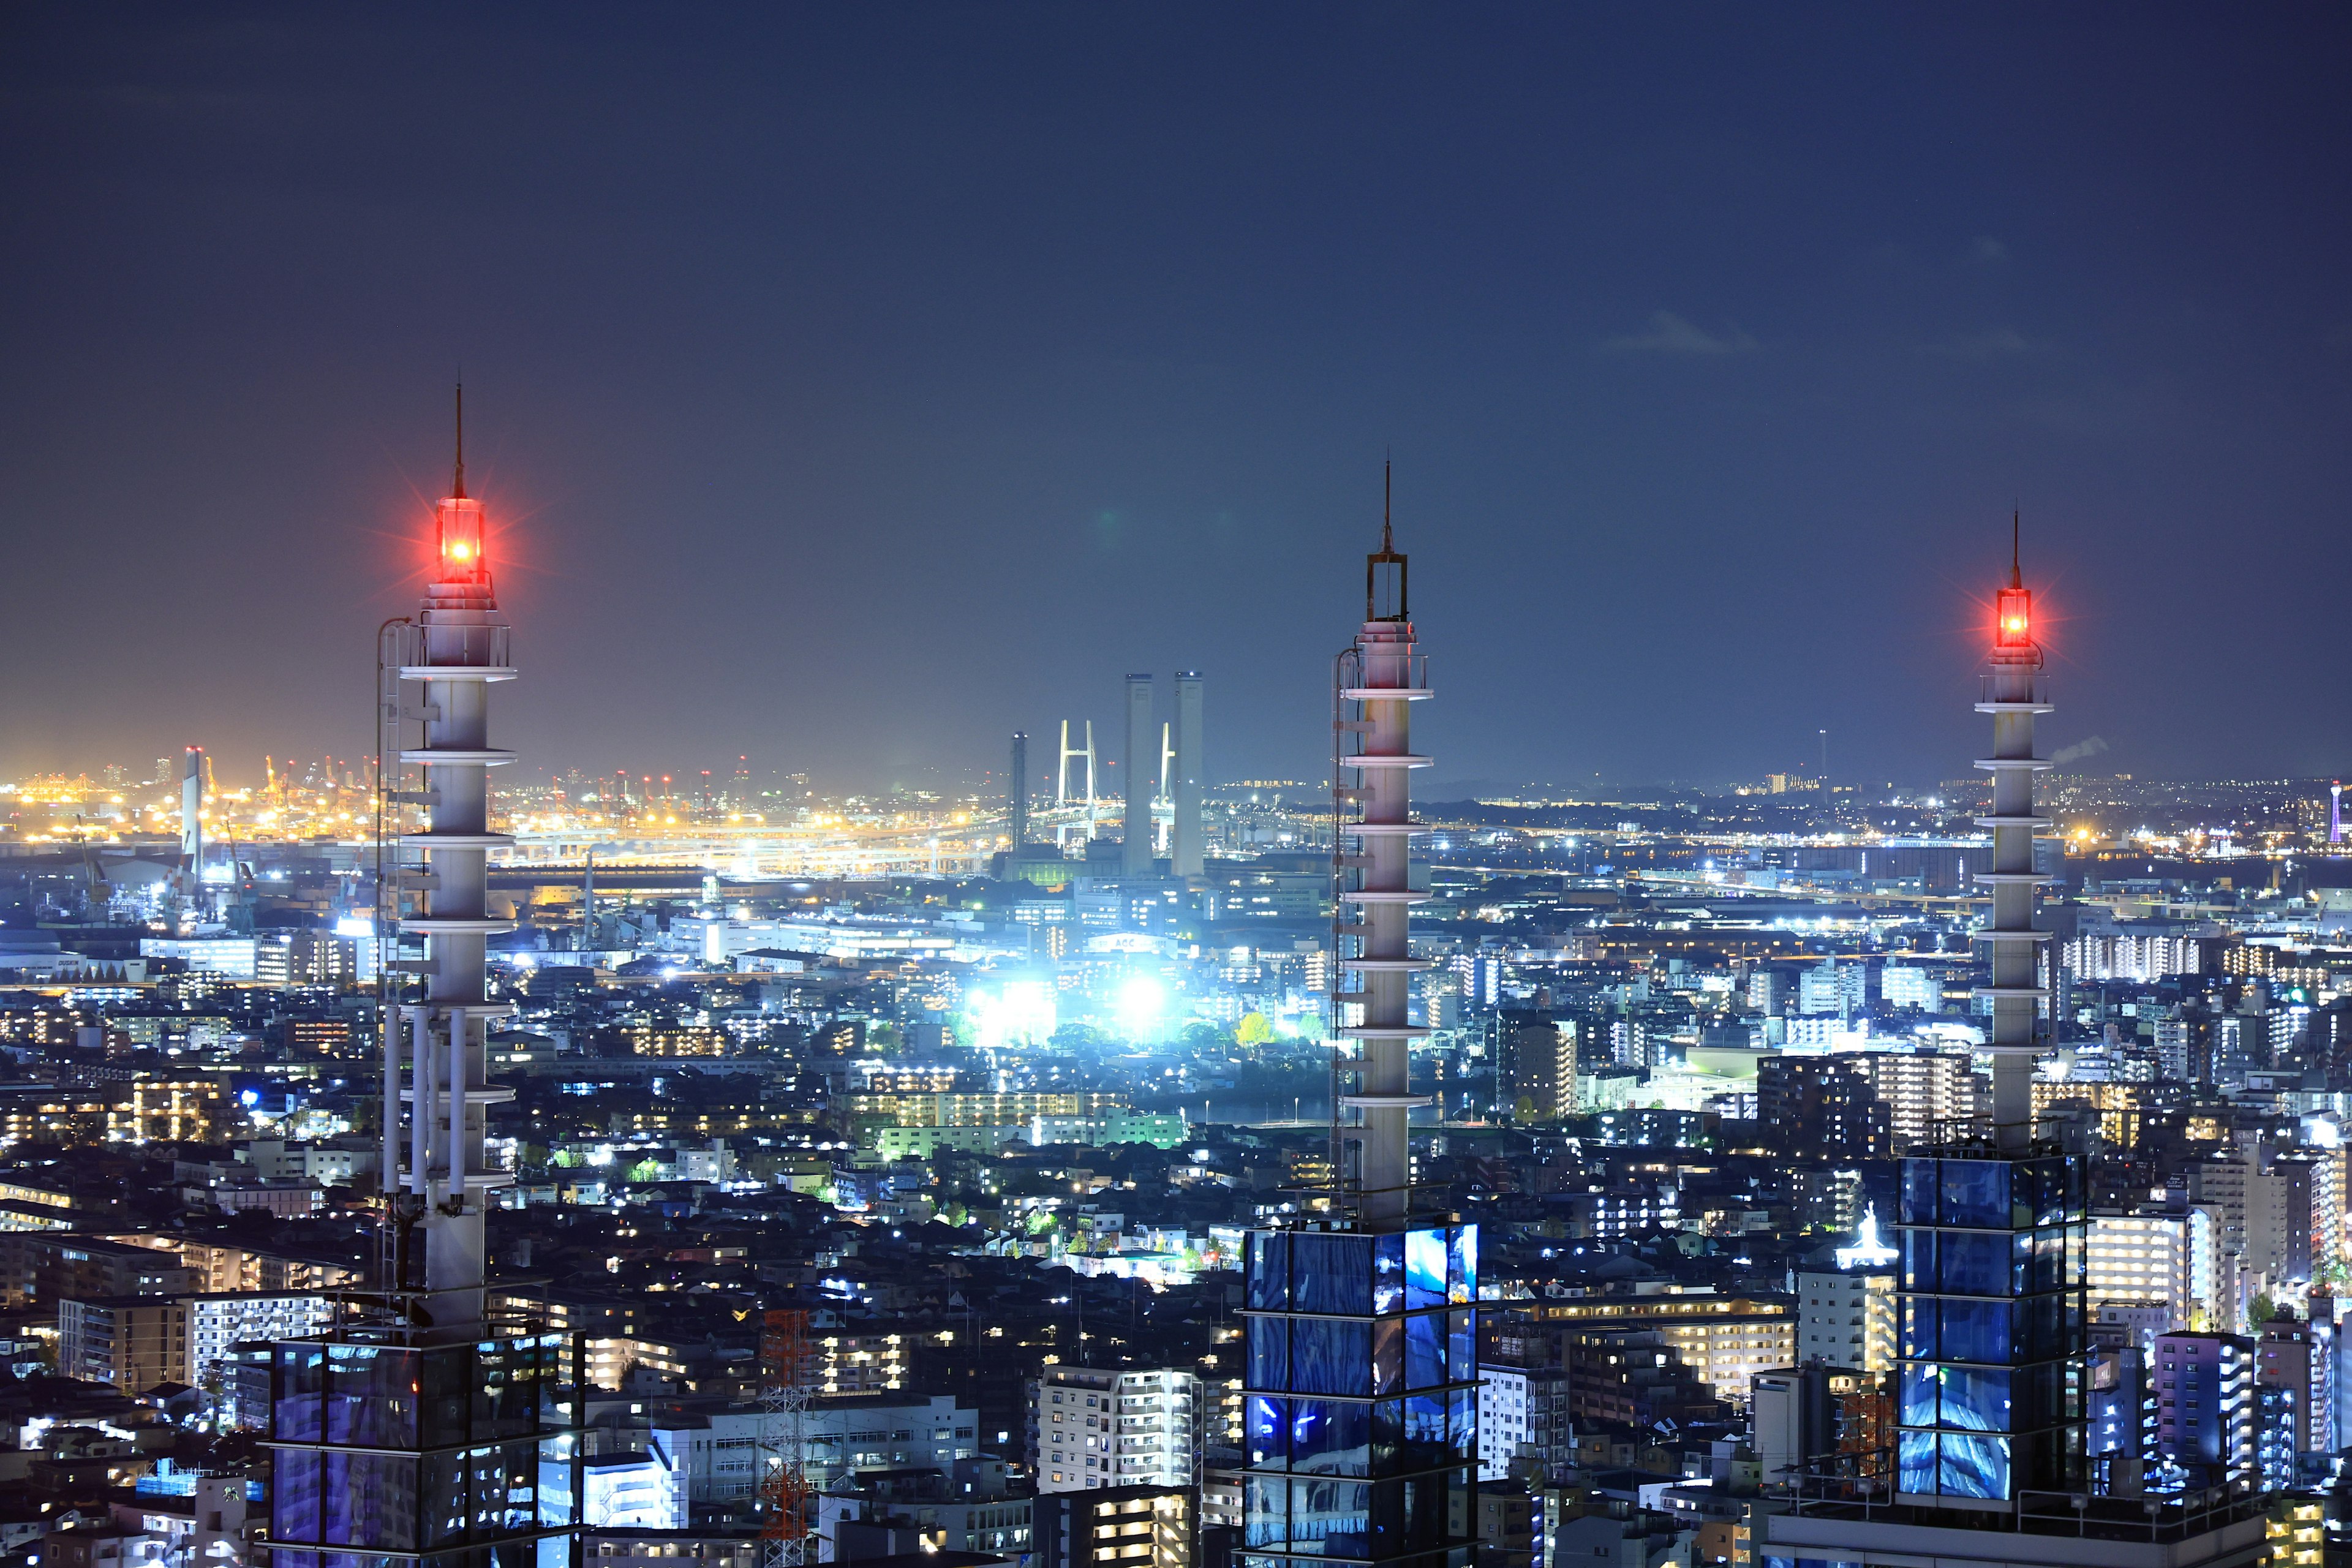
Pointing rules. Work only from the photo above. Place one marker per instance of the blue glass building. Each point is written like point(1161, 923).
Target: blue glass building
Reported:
point(1363, 1403)
point(391, 1454)
point(1992, 1362)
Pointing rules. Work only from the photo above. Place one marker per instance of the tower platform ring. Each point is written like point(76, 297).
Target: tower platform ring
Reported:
point(431, 757)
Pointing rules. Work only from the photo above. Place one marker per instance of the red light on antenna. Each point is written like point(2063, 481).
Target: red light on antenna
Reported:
point(2014, 619)
point(458, 525)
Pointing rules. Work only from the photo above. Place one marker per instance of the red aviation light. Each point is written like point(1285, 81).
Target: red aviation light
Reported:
point(458, 525)
point(2014, 619)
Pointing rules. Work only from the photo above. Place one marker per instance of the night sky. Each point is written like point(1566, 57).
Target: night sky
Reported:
point(856, 383)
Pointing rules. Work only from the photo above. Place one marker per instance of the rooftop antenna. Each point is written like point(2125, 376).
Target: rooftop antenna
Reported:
point(1386, 464)
point(1385, 556)
point(460, 490)
point(2016, 577)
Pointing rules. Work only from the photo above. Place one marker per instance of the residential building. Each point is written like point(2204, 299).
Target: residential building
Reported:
point(1091, 1429)
point(1132, 1526)
point(1846, 1319)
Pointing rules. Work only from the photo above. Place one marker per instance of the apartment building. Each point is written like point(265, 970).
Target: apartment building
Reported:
point(1090, 1429)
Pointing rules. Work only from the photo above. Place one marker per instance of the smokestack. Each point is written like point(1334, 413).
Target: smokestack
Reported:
point(1184, 790)
point(1017, 795)
point(191, 811)
point(2017, 992)
point(1136, 859)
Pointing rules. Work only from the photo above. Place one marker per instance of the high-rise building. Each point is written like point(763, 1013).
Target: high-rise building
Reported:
point(1922, 1092)
point(1185, 848)
point(2203, 1387)
point(2144, 1258)
point(1543, 1065)
point(1123, 1527)
point(1091, 1428)
point(1361, 1415)
point(1823, 1105)
point(1136, 786)
point(2299, 1355)
point(1846, 1317)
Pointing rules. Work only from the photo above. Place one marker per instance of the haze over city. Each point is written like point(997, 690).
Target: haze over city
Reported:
point(817, 356)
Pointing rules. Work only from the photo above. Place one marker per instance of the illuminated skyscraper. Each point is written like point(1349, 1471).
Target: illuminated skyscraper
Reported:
point(421, 1430)
point(1361, 1416)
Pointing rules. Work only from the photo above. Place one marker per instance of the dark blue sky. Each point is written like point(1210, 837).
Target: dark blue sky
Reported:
point(858, 383)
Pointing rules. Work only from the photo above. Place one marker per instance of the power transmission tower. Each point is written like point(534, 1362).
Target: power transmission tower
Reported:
point(786, 1373)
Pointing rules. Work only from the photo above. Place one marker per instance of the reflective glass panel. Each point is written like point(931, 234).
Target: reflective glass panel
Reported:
point(1333, 1357)
point(1387, 1273)
point(1330, 1438)
point(1976, 1399)
point(1269, 1269)
point(1919, 1386)
point(1975, 1330)
point(1270, 1353)
point(1265, 1427)
point(1424, 1351)
point(1266, 1521)
point(1332, 1273)
point(1916, 1461)
point(1974, 1263)
point(1425, 1268)
point(1973, 1466)
point(1462, 1264)
point(1976, 1193)
point(1918, 1202)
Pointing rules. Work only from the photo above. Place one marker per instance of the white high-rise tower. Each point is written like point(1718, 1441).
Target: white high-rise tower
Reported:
point(435, 1059)
point(424, 1427)
point(1380, 677)
point(2013, 697)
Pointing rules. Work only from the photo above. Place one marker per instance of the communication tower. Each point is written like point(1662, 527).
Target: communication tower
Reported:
point(1374, 685)
point(427, 1427)
point(787, 1375)
point(2013, 695)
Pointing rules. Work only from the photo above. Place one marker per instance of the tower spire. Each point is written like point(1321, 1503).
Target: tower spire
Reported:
point(1388, 542)
point(2016, 576)
point(459, 492)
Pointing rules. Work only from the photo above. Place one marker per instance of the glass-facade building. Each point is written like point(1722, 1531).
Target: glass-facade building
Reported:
point(1992, 1354)
point(1362, 1397)
point(392, 1455)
